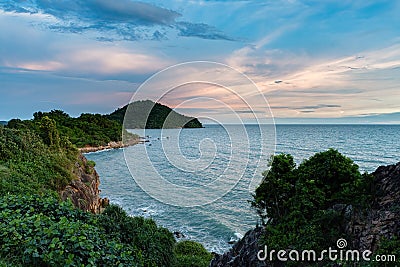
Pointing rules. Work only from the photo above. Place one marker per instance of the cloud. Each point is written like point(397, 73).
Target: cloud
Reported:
point(350, 84)
point(114, 60)
point(386, 118)
point(313, 91)
point(318, 106)
point(28, 48)
point(97, 11)
point(113, 20)
point(96, 63)
point(25, 92)
point(307, 108)
point(202, 30)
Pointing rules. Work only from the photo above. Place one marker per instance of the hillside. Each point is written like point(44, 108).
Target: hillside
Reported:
point(87, 130)
point(38, 170)
point(150, 115)
point(49, 196)
point(3, 122)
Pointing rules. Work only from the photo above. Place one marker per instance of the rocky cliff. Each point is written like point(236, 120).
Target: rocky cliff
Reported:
point(243, 253)
point(366, 226)
point(84, 190)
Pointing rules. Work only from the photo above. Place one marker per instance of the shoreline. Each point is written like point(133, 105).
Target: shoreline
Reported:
point(110, 145)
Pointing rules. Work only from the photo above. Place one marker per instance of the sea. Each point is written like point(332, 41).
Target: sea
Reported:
point(170, 176)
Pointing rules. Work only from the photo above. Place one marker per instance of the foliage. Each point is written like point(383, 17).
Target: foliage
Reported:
point(150, 115)
point(280, 177)
point(389, 247)
point(48, 132)
point(190, 253)
point(303, 207)
point(28, 165)
point(156, 243)
point(39, 231)
point(86, 130)
point(37, 160)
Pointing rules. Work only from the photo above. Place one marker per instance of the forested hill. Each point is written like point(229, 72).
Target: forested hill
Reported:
point(85, 130)
point(95, 130)
point(150, 115)
point(3, 122)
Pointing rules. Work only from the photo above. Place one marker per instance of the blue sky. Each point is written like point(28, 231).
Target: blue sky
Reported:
point(314, 61)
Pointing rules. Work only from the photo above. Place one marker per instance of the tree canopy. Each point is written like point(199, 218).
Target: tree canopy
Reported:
point(85, 130)
point(303, 207)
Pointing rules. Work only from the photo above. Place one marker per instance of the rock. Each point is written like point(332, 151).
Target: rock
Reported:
point(84, 191)
point(367, 227)
point(110, 145)
point(179, 234)
point(243, 253)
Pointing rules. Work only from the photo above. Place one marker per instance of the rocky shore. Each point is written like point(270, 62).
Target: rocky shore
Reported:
point(84, 190)
point(366, 226)
point(110, 145)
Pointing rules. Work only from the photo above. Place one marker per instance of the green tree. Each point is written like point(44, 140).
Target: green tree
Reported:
point(304, 207)
point(49, 132)
point(190, 253)
point(277, 188)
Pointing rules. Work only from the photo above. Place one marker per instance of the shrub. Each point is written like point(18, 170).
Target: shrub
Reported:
point(39, 231)
point(27, 165)
point(190, 253)
point(156, 243)
point(297, 205)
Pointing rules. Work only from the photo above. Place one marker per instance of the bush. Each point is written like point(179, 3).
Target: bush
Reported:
point(28, 165)
point(39, 231)
point(156, 243)
point(297, 205)
point(86, 130)
point(190, 253)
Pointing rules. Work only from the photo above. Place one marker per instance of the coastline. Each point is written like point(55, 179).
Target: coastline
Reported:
point(110, 145)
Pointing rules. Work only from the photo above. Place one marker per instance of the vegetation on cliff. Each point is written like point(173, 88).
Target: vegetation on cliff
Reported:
point(306, 207)
point(190, 253)
point(85, 130)
point(37, 162)
point(150, 115)
point(29, 165)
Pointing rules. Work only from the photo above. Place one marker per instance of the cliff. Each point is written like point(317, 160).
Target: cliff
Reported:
point(366, 227)
point(243, 253)
point(84, 190)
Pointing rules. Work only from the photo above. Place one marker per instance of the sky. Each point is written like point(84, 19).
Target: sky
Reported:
point(311, 61)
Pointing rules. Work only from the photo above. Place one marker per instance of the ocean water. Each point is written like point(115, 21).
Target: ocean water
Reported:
point(231, 151)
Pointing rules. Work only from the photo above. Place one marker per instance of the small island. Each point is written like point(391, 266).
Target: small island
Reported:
point(150, 115)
